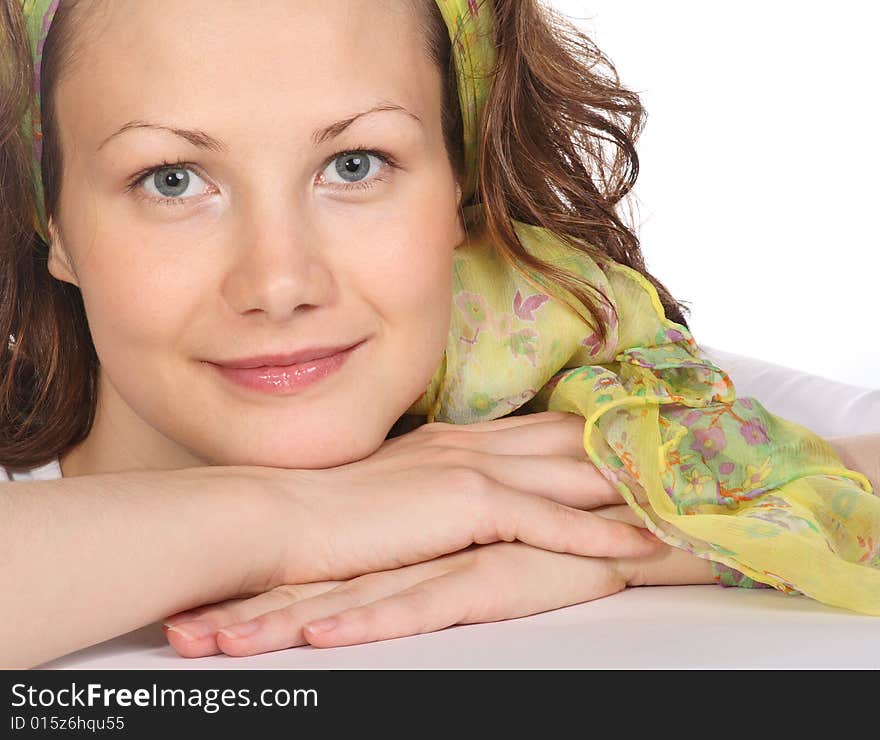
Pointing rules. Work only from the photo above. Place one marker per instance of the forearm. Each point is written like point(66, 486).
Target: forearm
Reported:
point(860, 453)
point(84, 559)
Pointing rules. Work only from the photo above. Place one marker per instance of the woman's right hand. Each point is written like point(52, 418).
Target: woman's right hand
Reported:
point(442, 488)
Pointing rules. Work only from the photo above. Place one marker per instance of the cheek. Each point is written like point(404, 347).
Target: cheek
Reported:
point(408, 275)
point(412, 296)
point(135, 299)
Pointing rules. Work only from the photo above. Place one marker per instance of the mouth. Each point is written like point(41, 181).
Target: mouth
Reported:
point(286, 359)
point(290, 377)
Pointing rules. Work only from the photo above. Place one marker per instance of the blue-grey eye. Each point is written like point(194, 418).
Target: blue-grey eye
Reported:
point(354, 166)
point(167, 184)
point(171, 182)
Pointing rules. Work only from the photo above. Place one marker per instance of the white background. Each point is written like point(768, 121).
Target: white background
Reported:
point(757, 196)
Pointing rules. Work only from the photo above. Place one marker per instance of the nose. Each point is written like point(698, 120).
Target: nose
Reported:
point(279, 265)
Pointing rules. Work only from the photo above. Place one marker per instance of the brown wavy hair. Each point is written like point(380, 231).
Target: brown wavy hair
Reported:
point(555, 102)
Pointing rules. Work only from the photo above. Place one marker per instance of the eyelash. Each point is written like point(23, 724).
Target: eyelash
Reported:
point(387, 161)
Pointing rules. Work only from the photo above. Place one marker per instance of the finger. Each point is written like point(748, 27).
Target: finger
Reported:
point(566, 480)
point(282, 628)
point(501, 513)
point(427, 606)
point(525, 581)
point(196, 637)
point(505, 422)
point(198, 611)
point(563, 436)
point(186, 644)
point(553, 435)
point(187, 615)
point(244, 608)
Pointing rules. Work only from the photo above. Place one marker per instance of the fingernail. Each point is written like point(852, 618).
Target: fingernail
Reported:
point(240, 630)
point(193, 630)
point(322, 625)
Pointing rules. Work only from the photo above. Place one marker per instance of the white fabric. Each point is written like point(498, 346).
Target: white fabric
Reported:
point(827, 407)
point(50, 471)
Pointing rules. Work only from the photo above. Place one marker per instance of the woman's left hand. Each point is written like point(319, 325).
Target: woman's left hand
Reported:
point(483, 583)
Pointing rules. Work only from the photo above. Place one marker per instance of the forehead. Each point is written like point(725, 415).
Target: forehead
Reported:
point(242, 61)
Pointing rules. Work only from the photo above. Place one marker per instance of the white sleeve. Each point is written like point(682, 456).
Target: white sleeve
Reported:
point(827, 407)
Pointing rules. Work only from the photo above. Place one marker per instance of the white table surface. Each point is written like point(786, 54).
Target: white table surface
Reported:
point(647, 627)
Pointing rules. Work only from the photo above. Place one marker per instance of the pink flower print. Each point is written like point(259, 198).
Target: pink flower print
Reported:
point(593, 343)
point(726, 468)
point(554, 381)
point(747, 402)
point(639, 359)
point(610, 315)
point(525, 309)
point(673, 335)
point(754, 432)
point(474, 308)
point(709, 442)
point(522, 344)
point(458, 42)
point(691, 418)
point(674, 410)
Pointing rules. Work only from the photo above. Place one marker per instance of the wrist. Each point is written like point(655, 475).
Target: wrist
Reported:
point(256, 502)
point(630, 570)
point(670, 566)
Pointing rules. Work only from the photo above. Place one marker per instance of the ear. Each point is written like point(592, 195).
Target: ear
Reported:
point(60, 265)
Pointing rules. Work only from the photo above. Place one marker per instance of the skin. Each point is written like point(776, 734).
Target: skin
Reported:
point(425, 597)
point(265, 250)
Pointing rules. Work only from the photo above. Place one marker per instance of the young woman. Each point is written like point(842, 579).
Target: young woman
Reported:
point(308, 305)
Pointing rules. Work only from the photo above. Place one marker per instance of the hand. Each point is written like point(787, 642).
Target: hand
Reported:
point(444, 487)
point(427, 596)
point(550, 459)
point(411, 600)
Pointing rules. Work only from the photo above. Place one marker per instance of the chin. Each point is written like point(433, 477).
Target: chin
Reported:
point(320, 454)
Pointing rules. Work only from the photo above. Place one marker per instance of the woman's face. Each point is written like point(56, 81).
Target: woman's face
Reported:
point(277, 233)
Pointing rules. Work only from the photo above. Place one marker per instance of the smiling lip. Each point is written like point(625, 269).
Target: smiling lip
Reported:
point(288, 358)
point(313, 365)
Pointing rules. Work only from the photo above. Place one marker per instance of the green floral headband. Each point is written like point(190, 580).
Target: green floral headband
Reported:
point(471, 25)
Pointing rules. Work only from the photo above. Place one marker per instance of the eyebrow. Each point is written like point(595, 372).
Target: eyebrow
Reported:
point(202, 140)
